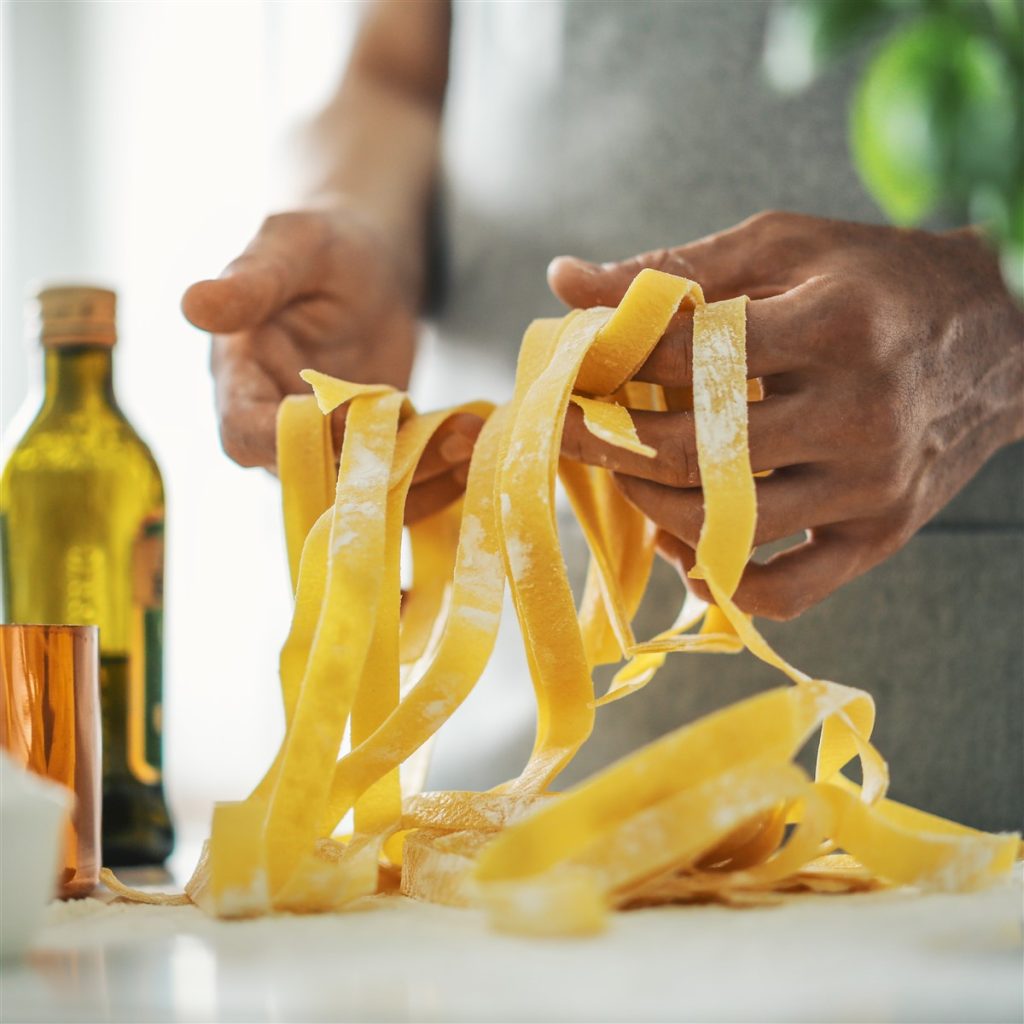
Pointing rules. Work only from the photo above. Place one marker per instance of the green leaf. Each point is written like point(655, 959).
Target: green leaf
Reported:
point(804, 37)
point(934, 119)
point(1011, 242)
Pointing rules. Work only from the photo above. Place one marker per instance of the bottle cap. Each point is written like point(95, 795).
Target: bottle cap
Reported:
point(71, 315)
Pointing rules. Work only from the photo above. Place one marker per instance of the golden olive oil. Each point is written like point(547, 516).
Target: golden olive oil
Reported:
point(81, 543)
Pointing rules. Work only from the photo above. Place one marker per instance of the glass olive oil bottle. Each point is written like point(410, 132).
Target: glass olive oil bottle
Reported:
point(81, 543)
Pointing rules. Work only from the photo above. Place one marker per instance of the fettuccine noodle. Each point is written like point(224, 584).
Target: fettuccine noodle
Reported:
point(716, 809)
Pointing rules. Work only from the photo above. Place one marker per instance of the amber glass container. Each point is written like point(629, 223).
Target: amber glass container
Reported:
point(50, 724)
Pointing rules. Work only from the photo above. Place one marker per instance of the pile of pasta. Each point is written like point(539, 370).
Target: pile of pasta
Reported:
point(714, 810)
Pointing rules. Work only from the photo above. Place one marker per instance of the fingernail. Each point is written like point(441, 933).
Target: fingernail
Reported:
point(468, 425)
point(584, 266)
point(456, 448)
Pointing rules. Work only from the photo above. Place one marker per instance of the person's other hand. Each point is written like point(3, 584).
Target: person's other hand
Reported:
point(320, 290)
point(893, 367)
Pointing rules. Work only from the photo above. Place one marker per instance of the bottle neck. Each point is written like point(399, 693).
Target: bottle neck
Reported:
point(79, 377)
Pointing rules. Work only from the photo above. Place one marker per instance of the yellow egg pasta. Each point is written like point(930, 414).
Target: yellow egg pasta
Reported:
point(716, 810)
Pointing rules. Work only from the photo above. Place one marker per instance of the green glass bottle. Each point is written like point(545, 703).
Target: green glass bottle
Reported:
point(82, 543)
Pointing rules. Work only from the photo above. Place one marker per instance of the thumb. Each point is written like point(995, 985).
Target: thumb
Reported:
point(580, 284)
point(280, 263)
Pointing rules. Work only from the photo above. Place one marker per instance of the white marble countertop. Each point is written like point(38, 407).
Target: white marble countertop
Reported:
point(890, 956)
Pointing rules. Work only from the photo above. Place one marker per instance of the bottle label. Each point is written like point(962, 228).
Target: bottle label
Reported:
point(145, 683)
point(85, 568)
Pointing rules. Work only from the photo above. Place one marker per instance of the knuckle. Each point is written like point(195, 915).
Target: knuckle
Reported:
point(671, 476)
point(679, 359)
point(864, 324)
point(771, 221)
point(657, 259)
point(233, 442)
point(290, 220)
point(305, 227)
point(678, 456)
point(670, 261)
point(821, 337)
point(677, 263)
point(277, 221)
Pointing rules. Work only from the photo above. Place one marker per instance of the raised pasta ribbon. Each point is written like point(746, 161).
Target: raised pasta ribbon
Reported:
point(701, 813)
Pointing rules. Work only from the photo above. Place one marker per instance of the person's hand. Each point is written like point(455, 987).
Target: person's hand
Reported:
point(893, 367)
point(320, 290)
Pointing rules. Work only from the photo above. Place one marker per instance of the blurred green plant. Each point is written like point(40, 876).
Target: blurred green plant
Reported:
point(937, 120)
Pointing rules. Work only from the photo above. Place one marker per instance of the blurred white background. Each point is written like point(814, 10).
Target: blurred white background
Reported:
point(143, 142)
point(141, 147)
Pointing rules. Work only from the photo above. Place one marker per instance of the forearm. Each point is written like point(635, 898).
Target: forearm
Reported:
point(376, 149)
point(375, 145)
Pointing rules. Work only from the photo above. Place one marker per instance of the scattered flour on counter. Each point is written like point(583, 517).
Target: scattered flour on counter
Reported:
point(61, 911)
point(241, 900)
point(930, 957)
point(94, 923)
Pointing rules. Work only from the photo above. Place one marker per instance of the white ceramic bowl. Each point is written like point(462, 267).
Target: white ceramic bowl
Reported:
point(33, 812)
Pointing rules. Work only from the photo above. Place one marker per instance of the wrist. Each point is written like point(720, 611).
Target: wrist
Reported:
point(400, 245)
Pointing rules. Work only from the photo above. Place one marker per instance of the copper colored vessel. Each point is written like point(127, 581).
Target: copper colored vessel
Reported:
point(50, 723)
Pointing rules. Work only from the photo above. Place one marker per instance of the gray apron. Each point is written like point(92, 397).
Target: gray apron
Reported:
point(605, 129)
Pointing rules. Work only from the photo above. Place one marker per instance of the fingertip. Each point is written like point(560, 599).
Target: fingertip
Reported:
point(432, 495)
point(456, 438)
point(196, 305)
point(466, 424)
point(573, 280)
point(682, 557)
point(216, 306)
point(456, 448)
point(566, 264)
point(225, 304)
